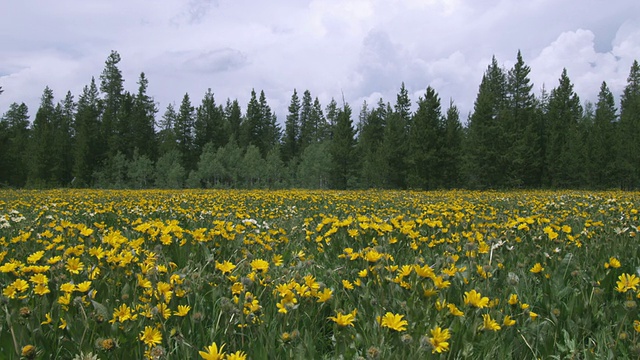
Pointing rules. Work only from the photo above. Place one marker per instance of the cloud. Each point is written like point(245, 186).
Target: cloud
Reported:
point(586, 67)
point(216, 61)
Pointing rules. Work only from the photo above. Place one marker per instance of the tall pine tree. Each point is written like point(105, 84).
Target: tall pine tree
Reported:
point(629, 146)
point(564, 153)
point(342, 150)
point(14, 133)
point(426, 134)
point(487, 145)
point(291, 139)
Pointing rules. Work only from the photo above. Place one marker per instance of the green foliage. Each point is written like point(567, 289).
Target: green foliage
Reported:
point(564, 155)
point(426, 135)
point(628, 144)
point(313, 171)
point(169, 171)
point(14, 134)
point(512, 139)
point(342, 150)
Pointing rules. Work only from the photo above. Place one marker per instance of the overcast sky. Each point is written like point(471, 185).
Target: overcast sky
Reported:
point(362, 49)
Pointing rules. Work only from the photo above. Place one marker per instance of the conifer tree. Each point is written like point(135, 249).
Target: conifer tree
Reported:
point(291, 139)
point(370, 140)
point(143, 121)
point(395, 141)
point(269, 129)
point(319, 123)
point(14, 134)
point(40, 156)
point(308, 122)
point(184, 131)
point(233, 121)
point(521, 130)
point(451, 156)
point(629, 146)
point(342, 150)
point(111, 85)
point(487, 145)
point(62, 142)
point(209, 124)
point(426, 133)
point(88, 152)
point(601, 166)
point(564, 153)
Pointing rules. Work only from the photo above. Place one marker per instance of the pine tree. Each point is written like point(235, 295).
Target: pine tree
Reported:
point(629, 146)
point(521, 130)
point(564, 154)
point(370, 140)
point(342, 150)
point(451, 155)
point(252, 123)
point(14, 133)
point(270, 131)
point(487, 143)
point(321, 130)
point(395, 141)
point(184, 131)
point(87, 152)
point(233, 121)
point(111, 85)
point(62, 142)
point(40, 156)
point(291, 140)
point(167, 135)
point(426, 133)
point(601, 166)
point(308, 122)
point(143, 121)
point(209, 124)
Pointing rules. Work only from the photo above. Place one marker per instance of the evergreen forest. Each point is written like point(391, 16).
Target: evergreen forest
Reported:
point(108, 137)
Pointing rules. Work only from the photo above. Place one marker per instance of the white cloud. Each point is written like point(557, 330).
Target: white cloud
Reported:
point(362, 48)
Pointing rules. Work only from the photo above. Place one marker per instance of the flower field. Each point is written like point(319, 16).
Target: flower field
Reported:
point(319, 274)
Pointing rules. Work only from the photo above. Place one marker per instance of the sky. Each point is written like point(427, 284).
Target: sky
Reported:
point(353, 49)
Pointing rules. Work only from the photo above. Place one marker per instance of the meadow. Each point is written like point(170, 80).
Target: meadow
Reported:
point(297, 274)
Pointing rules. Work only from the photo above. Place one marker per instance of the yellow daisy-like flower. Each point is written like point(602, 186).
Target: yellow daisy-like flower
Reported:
point(28, 352)
point(439, 339)
point(347, 284)
point(513, 299)
point(183, 310)
point(613, 262)
point(35, 257)
point(259, 265)
point(226, 266)
point(325, 295)
point(151, 336)
point(212, 352)
point(537, 268)
point(238, 355)
point(373, 256)
point(344, 319)
point(48, 319)
point(475, 299)
point(393, 321)
point(627, 282)
point(453, 310)
point(489, 324)
point(508, 321)
point(74, 265)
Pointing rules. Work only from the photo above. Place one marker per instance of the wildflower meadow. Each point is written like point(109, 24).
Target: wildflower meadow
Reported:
point(298, 274)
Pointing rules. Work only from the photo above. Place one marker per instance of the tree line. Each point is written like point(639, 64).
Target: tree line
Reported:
point(513, 138)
